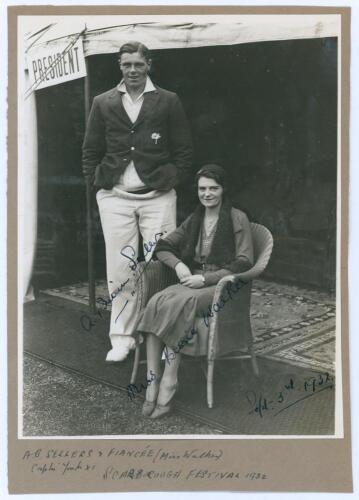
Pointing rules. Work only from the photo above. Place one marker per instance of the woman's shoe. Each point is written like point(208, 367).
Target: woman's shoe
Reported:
point(149, 406)
point(162, 410)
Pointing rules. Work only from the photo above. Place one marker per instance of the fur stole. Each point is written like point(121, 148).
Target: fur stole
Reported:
point(222, 253)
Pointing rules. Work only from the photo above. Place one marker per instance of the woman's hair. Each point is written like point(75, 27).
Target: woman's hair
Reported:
point(132, 47)
point(215, 172)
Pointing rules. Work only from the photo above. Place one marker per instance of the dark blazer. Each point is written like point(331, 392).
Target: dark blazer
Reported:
point(112, 140)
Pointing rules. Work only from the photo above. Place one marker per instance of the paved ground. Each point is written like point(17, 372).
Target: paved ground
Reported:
point(58, 402)
point(70, 390)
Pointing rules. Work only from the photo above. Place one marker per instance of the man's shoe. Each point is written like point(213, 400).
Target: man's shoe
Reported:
point(121, 346)
point(116, 355)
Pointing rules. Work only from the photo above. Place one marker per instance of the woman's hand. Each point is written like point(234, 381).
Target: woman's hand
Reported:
point(182, 271)
point(194, 281)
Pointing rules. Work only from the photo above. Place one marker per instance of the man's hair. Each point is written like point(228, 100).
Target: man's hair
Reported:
point(132, 47)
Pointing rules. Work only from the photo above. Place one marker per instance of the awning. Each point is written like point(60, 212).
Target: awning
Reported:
point(104, 35)
point(101, 38)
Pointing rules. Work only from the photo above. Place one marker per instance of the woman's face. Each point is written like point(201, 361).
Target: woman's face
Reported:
point(210, 193)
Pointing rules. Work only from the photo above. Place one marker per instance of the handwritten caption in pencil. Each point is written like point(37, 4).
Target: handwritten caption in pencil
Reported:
point(145, 463)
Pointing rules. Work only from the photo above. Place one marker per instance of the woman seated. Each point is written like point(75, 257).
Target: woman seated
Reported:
point(214, 241)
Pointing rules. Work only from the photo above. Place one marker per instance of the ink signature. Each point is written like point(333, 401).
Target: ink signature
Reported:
point(289, 395)
point(113, 295)
point(231, 288)
point(170, 356)
point(87, 322)
point(134, 262)
point(147, 249)
point(133, 389)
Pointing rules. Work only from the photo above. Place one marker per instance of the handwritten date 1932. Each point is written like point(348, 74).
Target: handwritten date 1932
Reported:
point(290, 394)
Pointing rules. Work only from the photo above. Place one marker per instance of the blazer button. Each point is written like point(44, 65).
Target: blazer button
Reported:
point(132, 131)
point(132, 148)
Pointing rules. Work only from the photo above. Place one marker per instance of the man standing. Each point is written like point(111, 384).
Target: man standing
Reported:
point(137, 148)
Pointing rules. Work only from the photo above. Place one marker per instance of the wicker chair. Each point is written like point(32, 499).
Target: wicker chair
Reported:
point(155, 276)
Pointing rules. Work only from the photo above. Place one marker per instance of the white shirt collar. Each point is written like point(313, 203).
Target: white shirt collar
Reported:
point(149, 87)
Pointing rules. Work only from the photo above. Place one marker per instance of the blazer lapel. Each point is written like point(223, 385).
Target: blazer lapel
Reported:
point(116, 106)
point(149, 102)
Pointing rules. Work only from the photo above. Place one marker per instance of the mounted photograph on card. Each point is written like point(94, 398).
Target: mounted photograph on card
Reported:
point(181, 186)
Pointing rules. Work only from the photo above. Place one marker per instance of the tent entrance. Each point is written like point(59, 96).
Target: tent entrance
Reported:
point(266, 111)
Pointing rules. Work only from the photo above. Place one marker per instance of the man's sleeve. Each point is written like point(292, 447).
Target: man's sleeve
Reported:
point(180, 140)
point(93, 148)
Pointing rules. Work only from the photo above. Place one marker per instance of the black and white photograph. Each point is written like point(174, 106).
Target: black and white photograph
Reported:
point(179, 225)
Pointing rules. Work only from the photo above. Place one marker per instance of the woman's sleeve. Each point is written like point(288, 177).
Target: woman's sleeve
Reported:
point(244, 252)
point(168, 249)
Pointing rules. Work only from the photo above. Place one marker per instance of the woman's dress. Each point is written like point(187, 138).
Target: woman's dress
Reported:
point(171, 314)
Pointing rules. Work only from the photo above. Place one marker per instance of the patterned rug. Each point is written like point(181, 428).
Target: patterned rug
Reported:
point(301, 334)
point(304, 332)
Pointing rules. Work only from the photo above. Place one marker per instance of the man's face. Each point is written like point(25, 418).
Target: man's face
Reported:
point(134, 69)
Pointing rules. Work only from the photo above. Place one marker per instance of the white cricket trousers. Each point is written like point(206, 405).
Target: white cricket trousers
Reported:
point(123, 217)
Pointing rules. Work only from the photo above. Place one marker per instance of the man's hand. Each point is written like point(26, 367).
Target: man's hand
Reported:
point(182, 271)
point(194, 281)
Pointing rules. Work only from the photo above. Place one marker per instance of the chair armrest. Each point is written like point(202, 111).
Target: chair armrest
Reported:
point(263, 243)
point(153, 277)
point(221, 286)
point(263, 246)
point(230, 278)
point(256, 270)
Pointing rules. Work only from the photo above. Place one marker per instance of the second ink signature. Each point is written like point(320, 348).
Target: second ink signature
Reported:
point(170, 356)
point(133, 389)
point(231, 289)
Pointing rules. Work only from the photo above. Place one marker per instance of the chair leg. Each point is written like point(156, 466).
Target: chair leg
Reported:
point(254, 363)
point(210, 383)
point(135, 365)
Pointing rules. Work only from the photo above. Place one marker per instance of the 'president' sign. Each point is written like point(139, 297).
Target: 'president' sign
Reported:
point(54, 64)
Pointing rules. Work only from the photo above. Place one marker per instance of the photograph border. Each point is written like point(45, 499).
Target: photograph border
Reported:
point(340, 447)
